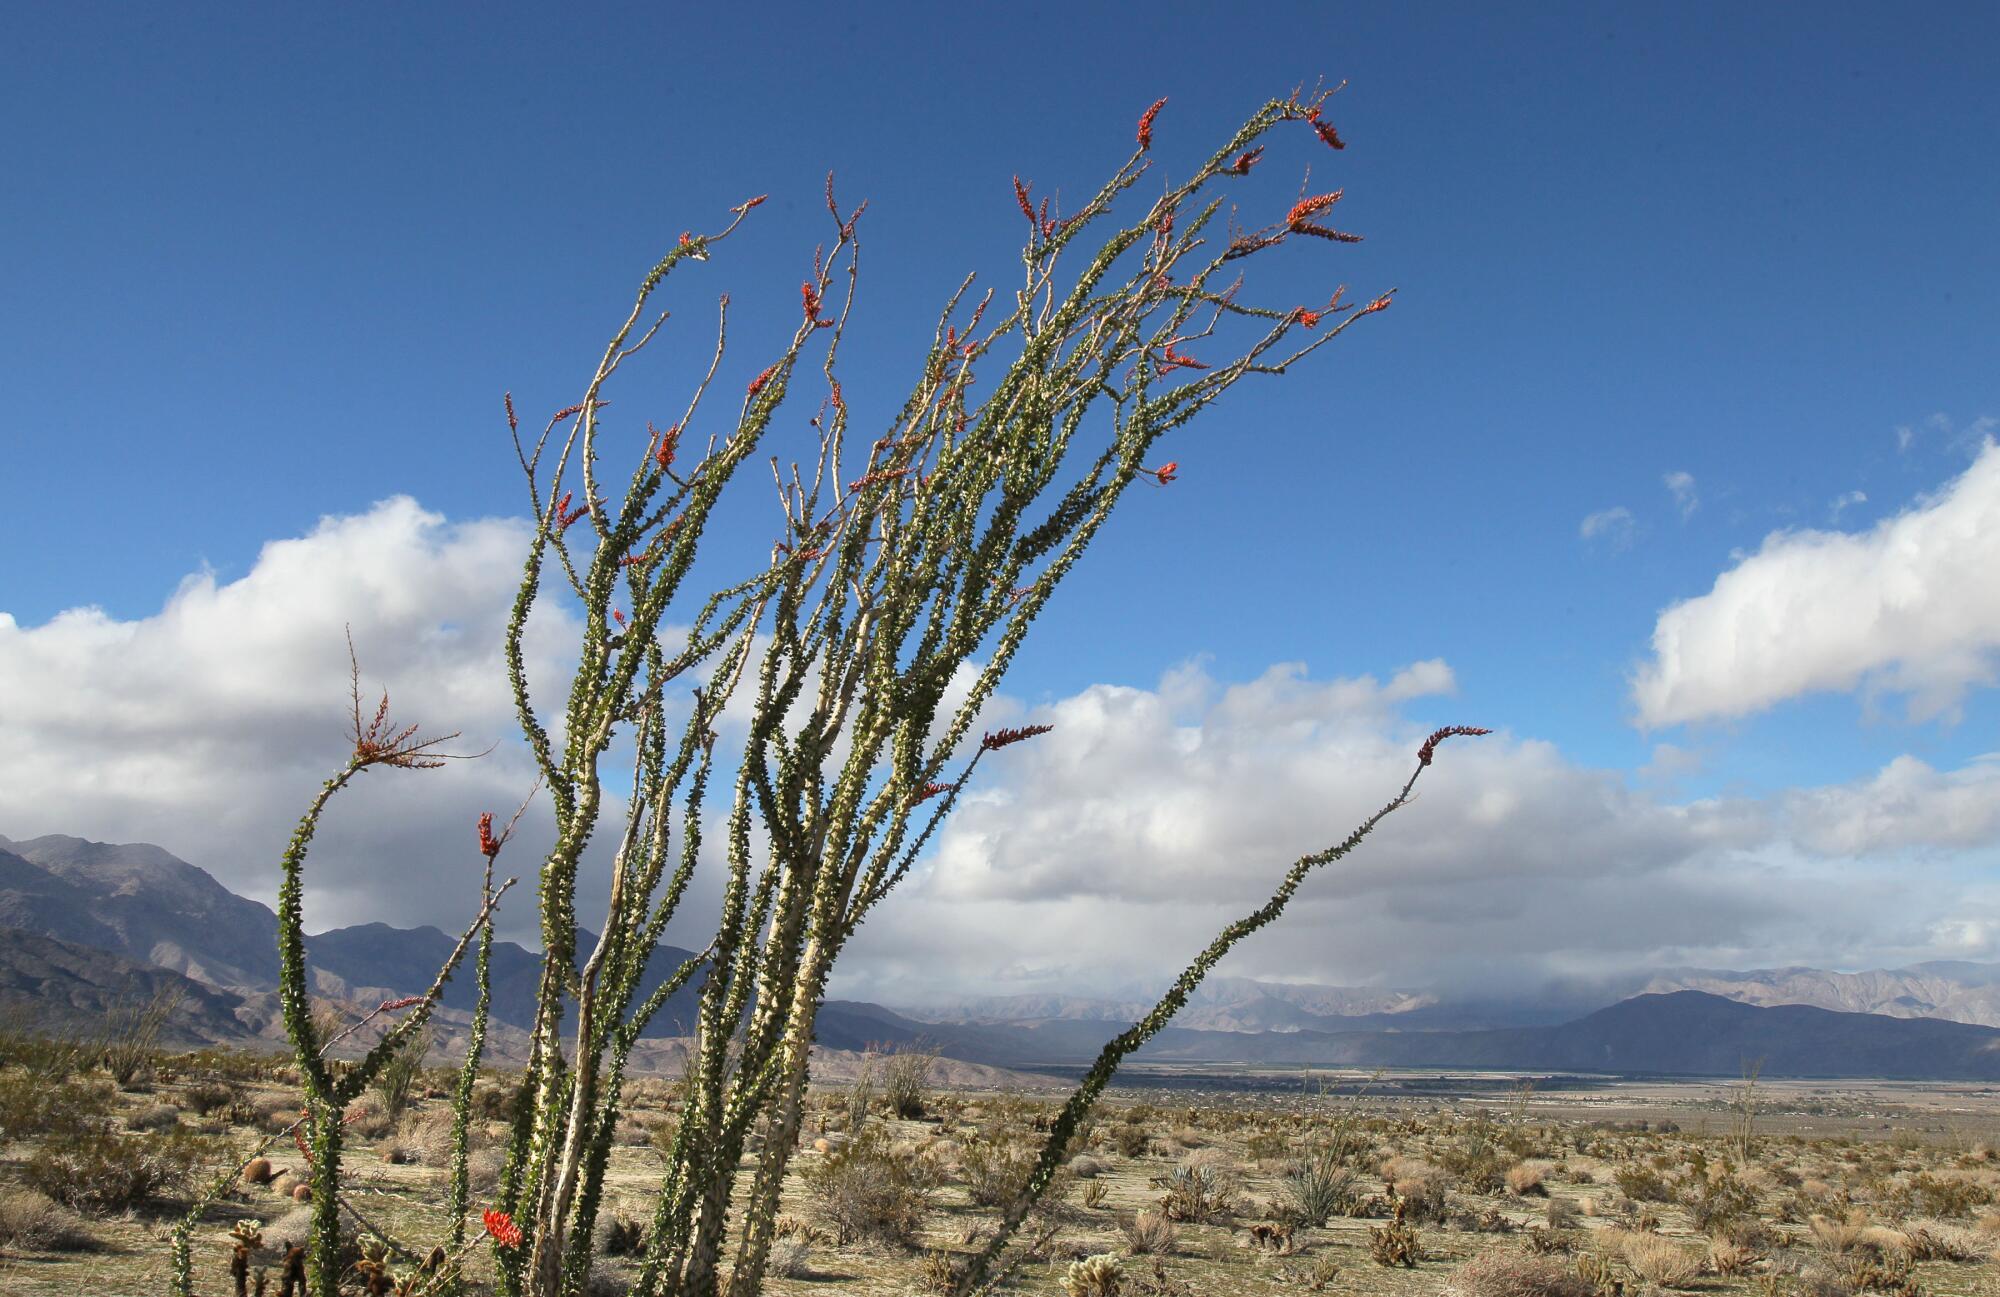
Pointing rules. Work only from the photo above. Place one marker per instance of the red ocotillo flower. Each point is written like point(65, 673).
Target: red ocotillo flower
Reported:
point(757, 383)
point(390, 1006)
point(513, 423)
point(811, 296)
point(1244, 161)
point(618, 615)
point(1021, 197)
point(1328, 136)
point(1165, 473)
point(664, 444)
point(489, 846)
point(1306, 208)
point(747, 204)
point(1379, 304)
point(565, 515)
point(1429, 749)
point(502, 1227)
point(1146, 124)
point(1171, 359)
point(929, 791)
point(1305, 317)
point(998, 739)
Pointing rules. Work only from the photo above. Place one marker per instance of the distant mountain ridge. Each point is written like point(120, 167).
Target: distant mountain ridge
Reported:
point(86, 925)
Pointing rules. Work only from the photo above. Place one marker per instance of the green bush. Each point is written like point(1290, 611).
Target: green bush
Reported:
point(1320, 1187)
point(868, 1190)
point(99, 1171)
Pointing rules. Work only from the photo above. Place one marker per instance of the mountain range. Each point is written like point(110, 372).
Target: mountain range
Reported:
point(88, 927)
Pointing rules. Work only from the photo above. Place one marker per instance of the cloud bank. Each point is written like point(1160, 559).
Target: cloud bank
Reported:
point(1099, 856)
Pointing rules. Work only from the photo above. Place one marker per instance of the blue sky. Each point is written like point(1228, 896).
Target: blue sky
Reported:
point(268, 265)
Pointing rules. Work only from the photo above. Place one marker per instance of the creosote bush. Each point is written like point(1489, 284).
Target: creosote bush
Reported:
point(853, 660)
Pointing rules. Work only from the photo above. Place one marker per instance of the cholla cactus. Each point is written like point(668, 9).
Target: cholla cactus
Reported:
point(908, 568)
point(1096, 1276)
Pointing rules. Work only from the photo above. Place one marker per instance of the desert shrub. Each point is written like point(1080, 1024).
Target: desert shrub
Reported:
point(153, 1116)
point(791, 1258)
point(906, 1078)
point(1319, 1187)
point(1524, 1180)
point(867, 1190)
point(1148, 1233)
point(1657, 1260)
point(1266, 1146)
point(1935, 1241)
point(1941, 1196)
point(1395, 1244)
point(129, 1037)
point(995, 1169)
point(1729, 1258)
point(369, 1117)
point(1714, 1202)
point(1562, 1213)
point(1094, 1194)
point(1200, 1190)
point(1642, 1183)
point(624, 1237)
point(1085, 1167)
point(31, 1105)
point(101, 1171)
point(210, 1097)
point(1476, 1161)
point(398, 1079)
point(1130, 1140)
point(33, 1221)
point(1500, 1274)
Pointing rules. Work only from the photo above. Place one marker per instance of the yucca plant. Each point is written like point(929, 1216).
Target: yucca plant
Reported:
point(857, 655)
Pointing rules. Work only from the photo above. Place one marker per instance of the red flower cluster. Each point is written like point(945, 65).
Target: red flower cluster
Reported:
point(811, 295)
point(1379, 304)
point(1166, 472)
point(743, 207)
point(1146, 125)
point(757, 383)
point(1171, 360)
point(1429, 749)
point(1021, 197)
point(1305, 317)
point(998, 739)
point(499, 1224)
point(664, 444)
point(390, 1006)
point(1328, 136)
point(489, 846)
point(565, 515)
point(1245, 161)
point(929, 791)
point(1306, 208)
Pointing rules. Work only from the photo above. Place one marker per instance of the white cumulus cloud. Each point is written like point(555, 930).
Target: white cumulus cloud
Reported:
point(1907, 607)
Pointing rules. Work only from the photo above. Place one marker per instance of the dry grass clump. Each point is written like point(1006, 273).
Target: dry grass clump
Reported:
point(1148, 1233)
point(1524, 1179)
point(34, 1222)
point(1502, 1274)
point(1656, 1260)
point(1729, 1258)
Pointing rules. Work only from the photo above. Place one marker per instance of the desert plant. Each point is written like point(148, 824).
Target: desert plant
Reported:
point(1319, 1187)
point(100, 1171)
point(130, 1035)
point(1395, 1244)
point(1096, 1276)
point(1657, 1260)
point(32, 1219)
point(395, 1082)
point(1501, 1274)
point(868, 1189)
point(906, 1079)
point(870, 641)
point(1147, 1233)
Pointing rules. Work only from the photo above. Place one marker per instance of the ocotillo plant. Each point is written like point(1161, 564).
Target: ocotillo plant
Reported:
point(859, 653)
